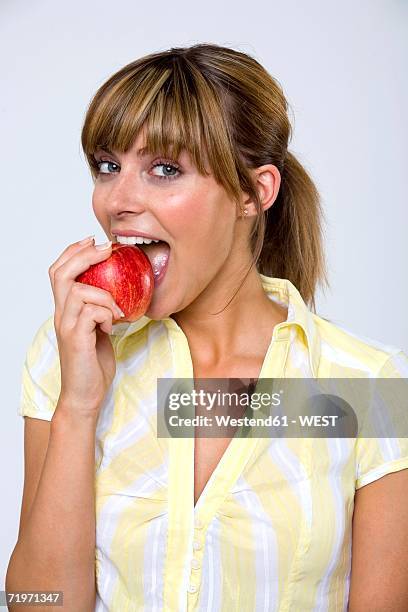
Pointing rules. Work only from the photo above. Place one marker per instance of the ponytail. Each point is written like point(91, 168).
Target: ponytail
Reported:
point(292, 243)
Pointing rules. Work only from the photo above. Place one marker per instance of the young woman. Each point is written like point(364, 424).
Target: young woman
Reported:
point(190, 147)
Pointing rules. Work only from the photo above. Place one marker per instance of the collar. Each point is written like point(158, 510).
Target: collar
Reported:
point(278, 289)
point(285, 292)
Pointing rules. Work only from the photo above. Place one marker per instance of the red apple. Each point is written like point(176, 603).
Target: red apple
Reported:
point(128, 275)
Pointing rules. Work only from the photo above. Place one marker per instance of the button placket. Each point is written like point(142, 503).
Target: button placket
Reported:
point(196, 545)
point(195, 563)
point(198, 524)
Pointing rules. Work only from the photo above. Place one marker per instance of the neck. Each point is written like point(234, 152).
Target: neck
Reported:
point(217, 335)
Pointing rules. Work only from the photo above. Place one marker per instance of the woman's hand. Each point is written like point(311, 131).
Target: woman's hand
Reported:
point(83, 319)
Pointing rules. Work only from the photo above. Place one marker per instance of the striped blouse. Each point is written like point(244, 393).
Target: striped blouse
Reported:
point(271, 530)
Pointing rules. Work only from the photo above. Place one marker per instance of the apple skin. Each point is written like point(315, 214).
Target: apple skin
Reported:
point(128, 276)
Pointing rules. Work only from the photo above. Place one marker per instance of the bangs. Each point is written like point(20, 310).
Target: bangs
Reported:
point(174, 106)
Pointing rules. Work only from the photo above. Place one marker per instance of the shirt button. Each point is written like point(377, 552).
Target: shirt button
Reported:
point(196, 545)
point(192, 588)
point(195, 564)
point(198, 524)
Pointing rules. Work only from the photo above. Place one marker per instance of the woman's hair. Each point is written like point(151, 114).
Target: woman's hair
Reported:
point(222, 106)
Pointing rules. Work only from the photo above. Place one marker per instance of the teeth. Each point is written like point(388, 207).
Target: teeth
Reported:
point(135, 240)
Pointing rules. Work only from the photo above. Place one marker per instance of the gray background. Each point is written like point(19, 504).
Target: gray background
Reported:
point(343, 67)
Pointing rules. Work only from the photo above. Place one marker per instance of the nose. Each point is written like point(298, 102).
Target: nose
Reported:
point(127, 195)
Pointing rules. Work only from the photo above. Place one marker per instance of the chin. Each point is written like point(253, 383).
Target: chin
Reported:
point(157, 312)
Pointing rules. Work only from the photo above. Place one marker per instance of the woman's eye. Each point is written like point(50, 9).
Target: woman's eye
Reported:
point(103, 164)
point(168, 171)
point(165, 170)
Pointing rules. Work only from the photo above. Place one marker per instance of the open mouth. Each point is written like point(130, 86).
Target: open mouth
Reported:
point(158, 253)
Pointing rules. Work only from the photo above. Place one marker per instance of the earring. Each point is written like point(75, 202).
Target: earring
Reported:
point(245, 211)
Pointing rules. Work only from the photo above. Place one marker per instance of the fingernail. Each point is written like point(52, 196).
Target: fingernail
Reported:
point(85, 240)
point(119, 311)
point(105, 245)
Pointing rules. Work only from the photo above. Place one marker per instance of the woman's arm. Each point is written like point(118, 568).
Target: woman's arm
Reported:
point(379, 570)
point(55, 550)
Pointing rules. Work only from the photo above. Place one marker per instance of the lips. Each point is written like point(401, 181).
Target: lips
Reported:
point(129, 233)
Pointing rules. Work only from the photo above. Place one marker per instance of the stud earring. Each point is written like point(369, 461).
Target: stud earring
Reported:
point(244, 211)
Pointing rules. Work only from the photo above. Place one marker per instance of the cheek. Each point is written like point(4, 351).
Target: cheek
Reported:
point(202, 215)
point(180, 208)
point(99, 208)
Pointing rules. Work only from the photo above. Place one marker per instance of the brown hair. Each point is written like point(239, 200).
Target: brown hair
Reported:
point(215, 100)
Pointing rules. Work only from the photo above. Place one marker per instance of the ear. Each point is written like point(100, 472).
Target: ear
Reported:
point(268, 180)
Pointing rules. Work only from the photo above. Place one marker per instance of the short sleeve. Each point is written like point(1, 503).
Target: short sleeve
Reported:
point(41, 374)
point(376, 457)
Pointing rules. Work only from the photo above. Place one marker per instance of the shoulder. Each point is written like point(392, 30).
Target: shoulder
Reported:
point(41, 378)
point(342, 348)
point(42, 351)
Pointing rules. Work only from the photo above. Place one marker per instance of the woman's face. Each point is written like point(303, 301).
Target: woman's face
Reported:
point(169, 199)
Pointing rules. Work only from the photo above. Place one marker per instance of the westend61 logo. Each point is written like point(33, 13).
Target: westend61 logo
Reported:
point(284, 407)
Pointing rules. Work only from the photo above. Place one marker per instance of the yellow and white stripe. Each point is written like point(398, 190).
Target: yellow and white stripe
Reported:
point(272, 528)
